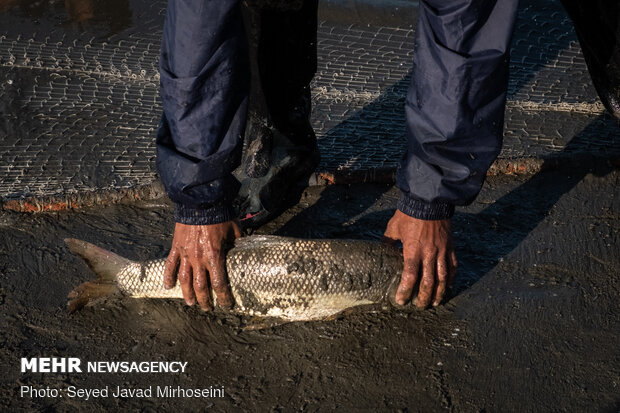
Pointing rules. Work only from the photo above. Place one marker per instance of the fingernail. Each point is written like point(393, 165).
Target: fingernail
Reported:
point(190, 302)
point(436, 303)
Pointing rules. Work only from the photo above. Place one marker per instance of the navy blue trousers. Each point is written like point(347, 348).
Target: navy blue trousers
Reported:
point(454, 107)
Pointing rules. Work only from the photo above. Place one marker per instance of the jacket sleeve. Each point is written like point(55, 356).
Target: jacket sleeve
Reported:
point(204, 80)
point(455, 103)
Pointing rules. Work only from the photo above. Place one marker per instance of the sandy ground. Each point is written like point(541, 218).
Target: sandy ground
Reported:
point(533, 325)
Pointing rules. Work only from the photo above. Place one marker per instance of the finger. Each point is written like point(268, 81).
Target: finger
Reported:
point(442, 279)
point(452, 270)
point(429, 268)
point(185, 280)
point(201, 288)
point(170, 269)
point(407, 281)
point(237, 231)
point(391, 232)
point(219, 283)
point(388, 240)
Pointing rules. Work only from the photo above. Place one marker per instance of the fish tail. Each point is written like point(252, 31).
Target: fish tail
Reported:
point(105, 264)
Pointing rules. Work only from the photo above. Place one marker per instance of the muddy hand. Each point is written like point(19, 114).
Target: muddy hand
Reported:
point(197, 259)
point(429, 258)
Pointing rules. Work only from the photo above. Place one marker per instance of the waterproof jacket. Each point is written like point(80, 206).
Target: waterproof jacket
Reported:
point(454, 107)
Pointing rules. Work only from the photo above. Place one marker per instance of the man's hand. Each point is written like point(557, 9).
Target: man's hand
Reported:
point(428, 253)
point(198, 250)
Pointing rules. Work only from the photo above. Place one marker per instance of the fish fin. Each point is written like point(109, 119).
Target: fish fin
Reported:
point(104, 263)
point(89, 291)
point(363, 308)
point(340, 314)
point(261, 323)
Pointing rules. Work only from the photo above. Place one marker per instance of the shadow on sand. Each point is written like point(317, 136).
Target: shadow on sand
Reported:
point(481, 239)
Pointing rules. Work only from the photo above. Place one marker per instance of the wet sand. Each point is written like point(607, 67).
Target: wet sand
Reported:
point(533, 325)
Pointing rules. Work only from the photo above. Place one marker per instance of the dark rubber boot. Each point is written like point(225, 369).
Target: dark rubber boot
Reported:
point(597, 24)
point(280, 150)
point(263, 198)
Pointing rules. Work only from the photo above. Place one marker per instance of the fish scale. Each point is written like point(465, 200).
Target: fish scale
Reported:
point(269, 276)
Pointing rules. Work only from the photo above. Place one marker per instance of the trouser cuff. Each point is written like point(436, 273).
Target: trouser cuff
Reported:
point(188, 215)
point(429, 211)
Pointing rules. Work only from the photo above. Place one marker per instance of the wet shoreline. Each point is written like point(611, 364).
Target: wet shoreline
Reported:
point(531, 327)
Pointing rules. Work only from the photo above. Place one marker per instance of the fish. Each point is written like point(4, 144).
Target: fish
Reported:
point(272, 276)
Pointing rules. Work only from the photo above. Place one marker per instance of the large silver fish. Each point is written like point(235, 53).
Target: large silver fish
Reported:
point(292, 279)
